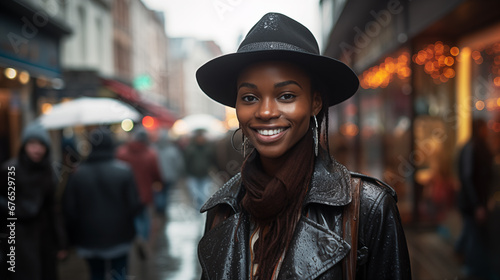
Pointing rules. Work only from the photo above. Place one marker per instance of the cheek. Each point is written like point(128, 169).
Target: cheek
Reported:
point(298, 113)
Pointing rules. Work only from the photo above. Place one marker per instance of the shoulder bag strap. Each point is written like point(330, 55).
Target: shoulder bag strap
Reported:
point(350, 230)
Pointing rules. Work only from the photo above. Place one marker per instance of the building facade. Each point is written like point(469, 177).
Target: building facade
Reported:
point(427, 69)
point(187, 55)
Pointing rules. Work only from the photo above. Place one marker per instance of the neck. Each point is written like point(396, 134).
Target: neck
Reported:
point(272, 165)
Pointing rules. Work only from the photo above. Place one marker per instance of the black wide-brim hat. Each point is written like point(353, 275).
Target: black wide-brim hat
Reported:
point(276, 37)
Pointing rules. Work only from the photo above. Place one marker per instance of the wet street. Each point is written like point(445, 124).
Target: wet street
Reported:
point(175, 237)
point(172, 254)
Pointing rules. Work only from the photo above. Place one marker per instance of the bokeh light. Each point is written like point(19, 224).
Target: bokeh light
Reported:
point(127, 125)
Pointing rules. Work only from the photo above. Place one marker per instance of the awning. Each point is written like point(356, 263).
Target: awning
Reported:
point(133, 97)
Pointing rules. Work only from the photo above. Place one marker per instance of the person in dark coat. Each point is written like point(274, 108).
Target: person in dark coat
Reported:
point(38, 232)
point(476, 175)
point(100, 204)
point(293, 212)
point(199, 158)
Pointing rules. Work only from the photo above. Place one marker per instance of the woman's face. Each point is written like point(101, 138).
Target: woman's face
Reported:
point(274, 106)
point(35, 150)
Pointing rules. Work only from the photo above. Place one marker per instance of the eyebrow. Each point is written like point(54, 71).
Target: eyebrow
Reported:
point(277, 85)
point(248, 85)
point(285, 83)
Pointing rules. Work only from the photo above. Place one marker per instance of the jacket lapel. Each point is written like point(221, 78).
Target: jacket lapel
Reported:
point(314, 250)
point(330, 183)
point(223, 250)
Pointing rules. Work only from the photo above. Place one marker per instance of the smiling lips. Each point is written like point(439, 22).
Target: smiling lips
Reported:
point(270, 135)
point(270, 132)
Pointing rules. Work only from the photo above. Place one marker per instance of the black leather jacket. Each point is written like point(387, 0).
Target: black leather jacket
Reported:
point(317, 248)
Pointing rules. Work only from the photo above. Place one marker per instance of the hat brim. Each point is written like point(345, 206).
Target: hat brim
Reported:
point(217, 78)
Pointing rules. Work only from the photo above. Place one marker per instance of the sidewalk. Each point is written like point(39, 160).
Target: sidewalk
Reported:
point(432, 250)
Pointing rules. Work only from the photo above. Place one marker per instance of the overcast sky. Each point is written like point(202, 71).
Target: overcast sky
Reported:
point(225, 21)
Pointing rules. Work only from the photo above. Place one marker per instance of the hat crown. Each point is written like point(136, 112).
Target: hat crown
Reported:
point(279, 32)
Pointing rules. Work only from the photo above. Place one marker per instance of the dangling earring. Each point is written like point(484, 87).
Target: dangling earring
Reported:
point(245, 144)
point(232, 140)
point(315, 136)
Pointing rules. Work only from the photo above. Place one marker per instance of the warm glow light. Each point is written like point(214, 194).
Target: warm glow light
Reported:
point(381, 75)
point(438, 60)
point(148, 122)
point(463, 96)
point(180, 127)
point(24, 77)
point(480, 105)
point(476, 55)
point(46, 108)
point(496, 81)
point(127, 125)
point(231, 121)
point(10, 73)
point(349, 129)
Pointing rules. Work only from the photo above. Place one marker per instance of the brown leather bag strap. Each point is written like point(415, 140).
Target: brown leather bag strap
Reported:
point(350, 230)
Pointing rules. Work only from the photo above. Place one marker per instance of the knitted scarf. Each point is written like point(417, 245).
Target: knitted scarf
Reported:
point(275, 203)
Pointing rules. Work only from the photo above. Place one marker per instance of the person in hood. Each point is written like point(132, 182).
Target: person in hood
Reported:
point(100, 204)
point(38, 230)
point(293, 212)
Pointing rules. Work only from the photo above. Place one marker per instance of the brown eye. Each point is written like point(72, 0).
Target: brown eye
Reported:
point(286, 96)
point(249, 98)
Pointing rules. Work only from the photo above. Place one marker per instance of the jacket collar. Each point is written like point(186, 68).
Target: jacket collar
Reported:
point(330, 185)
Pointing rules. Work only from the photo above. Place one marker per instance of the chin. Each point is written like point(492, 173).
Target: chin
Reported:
point(270, 153)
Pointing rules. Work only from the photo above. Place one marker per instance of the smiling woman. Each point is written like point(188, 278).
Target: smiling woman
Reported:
point(274, 106)
point(293, 212)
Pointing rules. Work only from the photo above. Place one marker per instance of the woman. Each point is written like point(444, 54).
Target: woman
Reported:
point(39, 233)
point(291, 213)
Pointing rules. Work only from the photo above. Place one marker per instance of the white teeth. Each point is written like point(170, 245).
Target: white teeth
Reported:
point(269, 132)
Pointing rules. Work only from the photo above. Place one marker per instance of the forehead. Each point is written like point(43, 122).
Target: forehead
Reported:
point(34, 141)
point(274, 70)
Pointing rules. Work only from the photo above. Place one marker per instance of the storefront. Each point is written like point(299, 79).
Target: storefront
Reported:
point(29, 58)
point(430, 70)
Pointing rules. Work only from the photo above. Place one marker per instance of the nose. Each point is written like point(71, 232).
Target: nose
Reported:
point(268, 109)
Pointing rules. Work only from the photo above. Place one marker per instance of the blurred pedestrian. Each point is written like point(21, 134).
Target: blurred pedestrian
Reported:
point(100, 204)
point(292, 212)
point(199, 161)
point(475, 175)
point(171, 164)
point(38, 231)
point(144, 162)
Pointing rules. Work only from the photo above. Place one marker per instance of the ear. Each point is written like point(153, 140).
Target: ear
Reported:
point(317, 103)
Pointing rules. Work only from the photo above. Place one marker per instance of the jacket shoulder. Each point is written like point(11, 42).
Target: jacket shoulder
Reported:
point(375, 183)
point(228, 194)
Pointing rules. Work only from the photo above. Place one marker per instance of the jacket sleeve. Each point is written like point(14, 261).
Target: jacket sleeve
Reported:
point(382, 238)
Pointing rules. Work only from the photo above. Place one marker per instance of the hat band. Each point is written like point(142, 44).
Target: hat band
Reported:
point(268, 46)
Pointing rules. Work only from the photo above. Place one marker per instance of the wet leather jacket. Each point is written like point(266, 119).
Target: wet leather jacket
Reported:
point(317, 248)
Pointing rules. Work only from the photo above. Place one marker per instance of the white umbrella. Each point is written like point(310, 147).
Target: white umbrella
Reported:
point(190, 123)
point(88, 111)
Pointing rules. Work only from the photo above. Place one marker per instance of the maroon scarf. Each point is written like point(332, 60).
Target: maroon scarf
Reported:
point(274, 203)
